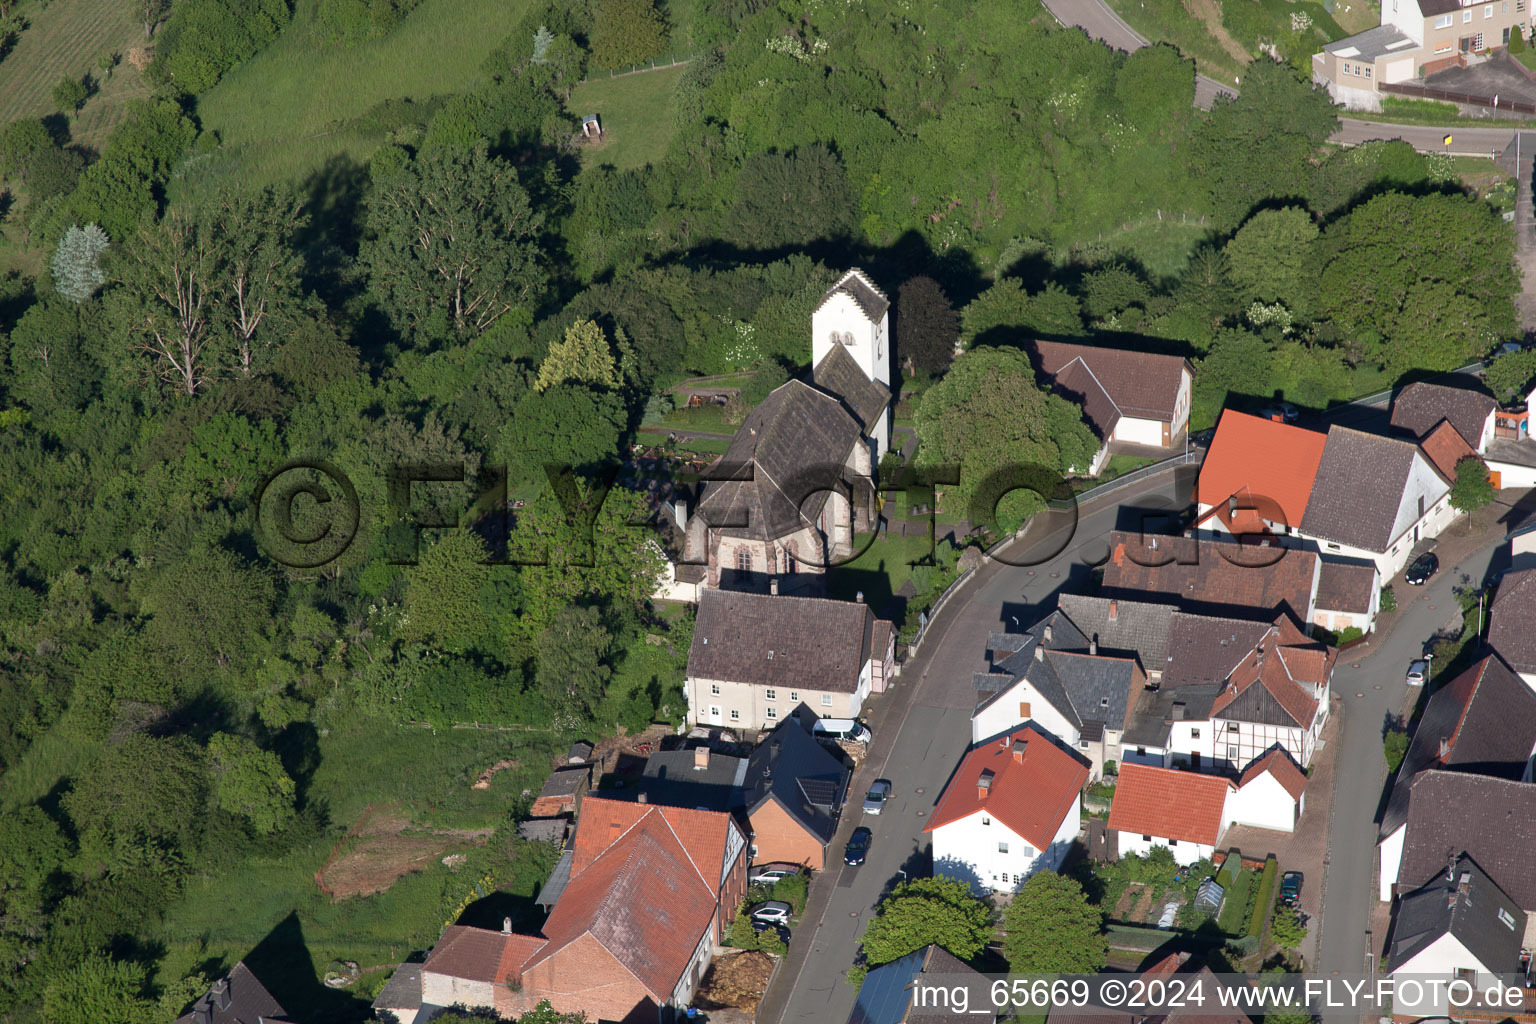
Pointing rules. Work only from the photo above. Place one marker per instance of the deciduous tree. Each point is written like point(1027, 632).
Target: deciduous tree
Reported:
point(70, 94)
point(583, 356)
point(1051, 928)
point(451, 244)
point(169, 272)
point(1472, 488)
point(572, 671)
point(924, 912)
point(1510, 374)
point(442, 597)
point(627, 32)
point(250, 782)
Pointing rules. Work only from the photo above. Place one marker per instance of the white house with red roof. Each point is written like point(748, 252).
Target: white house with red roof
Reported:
point(1188, 812)
point(651, 892)
point(1012, 808)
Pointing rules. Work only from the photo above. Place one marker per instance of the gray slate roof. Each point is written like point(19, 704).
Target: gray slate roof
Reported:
point(1372, 43)
point(402, 991)
point(1084, 688)
point(1122, 626)
point(672, 779)
point(1204, 649)
point(558, 879)
point(776, 640)
point(856, 285)
point(885, 996)
point(1512, 620)
point(1151, 722)
point(1420, 407)
point(1482, 722)
point(543, 830)
point(1466, 905)
point(791, 768)
point(1346, 585)
point(236, 998)
point(782, 464)
point(839, 375)
point(1357, 489)
point(1494, 820)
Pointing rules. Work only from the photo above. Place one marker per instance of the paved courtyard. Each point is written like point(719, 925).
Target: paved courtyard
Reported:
point(1497, 77)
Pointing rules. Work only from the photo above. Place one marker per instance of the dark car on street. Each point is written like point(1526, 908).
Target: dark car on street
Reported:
point(1423, 567)
point(1290, 888)
point(858, 846)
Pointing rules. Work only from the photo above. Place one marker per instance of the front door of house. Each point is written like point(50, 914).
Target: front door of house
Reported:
point(1194, 760)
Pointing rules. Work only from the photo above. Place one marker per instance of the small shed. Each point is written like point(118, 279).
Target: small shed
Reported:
point(590, 127)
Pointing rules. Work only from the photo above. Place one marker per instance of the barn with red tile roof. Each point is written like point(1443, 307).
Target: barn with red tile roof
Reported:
point(1257, 475)
point(1183, 811)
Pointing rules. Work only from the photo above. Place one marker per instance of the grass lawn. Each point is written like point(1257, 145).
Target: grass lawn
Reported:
point(636, 114)
point(276, 113)
point(1170, 21)
point(1163, 247)
point(65, 39)
point(882, 566)
point(231, 909)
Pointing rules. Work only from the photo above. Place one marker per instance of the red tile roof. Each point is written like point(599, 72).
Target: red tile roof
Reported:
point(604, 821)
point(1445, 447)
point(1169, 804)
point(1271, 464)
point(479, 954)
point(1210, 576)
point(1279, 764)
point(1031, 795)
point(1287, 665)
point(643, 901)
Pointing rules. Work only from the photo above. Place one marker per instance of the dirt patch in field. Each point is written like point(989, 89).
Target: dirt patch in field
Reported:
point(735, 981)
point(608, 751)
point(381, 848)
point(1209, 14)
point(1143, 906)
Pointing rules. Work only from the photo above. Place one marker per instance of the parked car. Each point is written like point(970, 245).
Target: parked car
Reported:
point(767, 874)
point(1418, 671)
point(1202, 438)
point(1423, 567)
point(772, 912)
point(878, 794)
point(1290, 888)
point(841, 729)
point(858, 846)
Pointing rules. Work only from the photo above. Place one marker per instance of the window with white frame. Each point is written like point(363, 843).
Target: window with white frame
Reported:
point(714, 689)
point(1194, 734)
point(794, 695)
point(1005, 876)
point(1002, 847)
point(1231, 753)
point(986, 820)
point(1466, 16)
point(735, 715)
point(1367, 71)
point(1347, 71)
point(773, 713)
point(1488, 11)
point(1444, 21)
point(771, 694)
point(1231, 727)
point(826, 700)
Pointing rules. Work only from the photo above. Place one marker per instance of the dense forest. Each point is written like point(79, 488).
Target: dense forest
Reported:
point(189, 722)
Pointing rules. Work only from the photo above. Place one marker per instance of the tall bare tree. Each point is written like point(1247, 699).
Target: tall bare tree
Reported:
point(259, 268)
point(169, 270)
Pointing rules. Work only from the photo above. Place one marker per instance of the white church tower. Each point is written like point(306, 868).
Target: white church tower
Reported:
point(855, 316)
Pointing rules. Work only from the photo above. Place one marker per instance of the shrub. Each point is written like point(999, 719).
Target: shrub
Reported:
point(740, 933)
point(792, 890)
point(1516, 40)
point(1388, 600)
point(1265, 899)
point(1395, 747)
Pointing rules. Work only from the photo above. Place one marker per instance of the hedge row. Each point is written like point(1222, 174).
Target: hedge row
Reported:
point(1262, 905)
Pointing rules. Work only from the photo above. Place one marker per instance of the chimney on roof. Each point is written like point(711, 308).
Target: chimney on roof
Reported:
point(859, 597)
point(1019, 747)
point(1048, 632)
point(1093, 644)
point(506, 926)
point(1445, 748)
point(1450, 869)
point(700, 759)
point(773, 586)
point(984, 784)
point(1119, 555)
point(202, 1013)
point(1232, 506)
point(1153, 544)
point(642, 798)
point(1114, 610)
point(218, 995)
point(1039, 652)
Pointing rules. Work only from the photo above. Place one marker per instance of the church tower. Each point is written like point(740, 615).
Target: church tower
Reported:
point(856, 315)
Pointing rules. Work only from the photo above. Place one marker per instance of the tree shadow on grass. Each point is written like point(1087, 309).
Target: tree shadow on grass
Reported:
point(283, 964)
